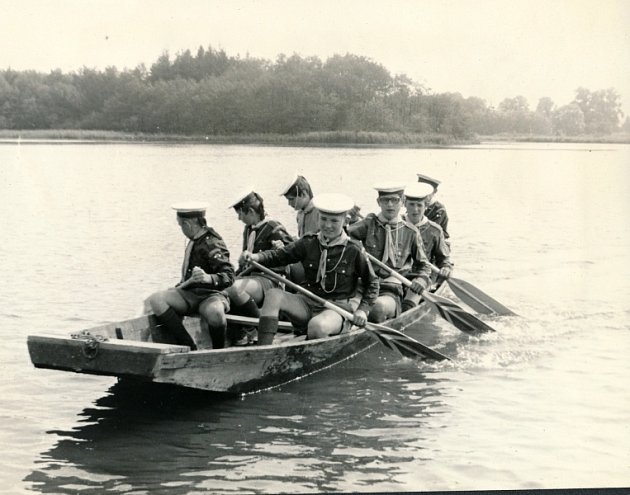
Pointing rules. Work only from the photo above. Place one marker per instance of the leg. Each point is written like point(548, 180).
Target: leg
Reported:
point(167, 306)
point(326, 323)
point(212, 310)
point(383, 309)
point(277, 300)
point(245, 295)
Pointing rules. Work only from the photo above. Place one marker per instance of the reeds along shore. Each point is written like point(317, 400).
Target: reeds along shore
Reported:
point(331, 138)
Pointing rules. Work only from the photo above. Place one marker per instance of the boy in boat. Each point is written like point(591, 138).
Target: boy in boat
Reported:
point(417, 195)
point(435, 211)
point(206, 271)
point(260, 233)
point(394, 241)
point(299, 195)
point(333, 265)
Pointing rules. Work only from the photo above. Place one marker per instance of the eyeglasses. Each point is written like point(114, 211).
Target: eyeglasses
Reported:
point(392, 200)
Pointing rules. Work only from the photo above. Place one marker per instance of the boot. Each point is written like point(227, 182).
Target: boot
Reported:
point(173, 325)
point(267, 328)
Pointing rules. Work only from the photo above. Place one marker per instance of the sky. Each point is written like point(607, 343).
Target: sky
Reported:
point(493, 49)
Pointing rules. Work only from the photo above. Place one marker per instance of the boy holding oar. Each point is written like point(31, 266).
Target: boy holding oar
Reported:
point(333, 265)
point(394, 241)
point(417, 196)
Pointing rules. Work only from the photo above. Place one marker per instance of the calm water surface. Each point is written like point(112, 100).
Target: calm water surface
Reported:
point(544, 403)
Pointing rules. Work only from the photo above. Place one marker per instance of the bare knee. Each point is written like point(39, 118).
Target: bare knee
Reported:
point(158, 303)
point(273, 300)
point(214, 314)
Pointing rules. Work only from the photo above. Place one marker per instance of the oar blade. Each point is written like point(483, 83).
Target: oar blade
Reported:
point(477, 299)
point(456, 315)
point(413, 347)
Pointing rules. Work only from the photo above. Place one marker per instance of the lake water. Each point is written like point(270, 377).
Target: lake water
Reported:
point(88, 233)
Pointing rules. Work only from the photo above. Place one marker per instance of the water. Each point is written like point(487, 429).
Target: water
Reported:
point(543, 403)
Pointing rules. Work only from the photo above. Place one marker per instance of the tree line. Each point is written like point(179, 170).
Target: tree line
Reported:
point(211, 93)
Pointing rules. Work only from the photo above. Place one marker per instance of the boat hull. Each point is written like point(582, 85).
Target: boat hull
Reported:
point(126, 350)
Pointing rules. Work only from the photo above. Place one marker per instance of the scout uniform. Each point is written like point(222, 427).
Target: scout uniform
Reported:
point(332, 267)
point(208, 251)
point(307, 217)
point(433, 240)
point(395, 242)
point(436, 212)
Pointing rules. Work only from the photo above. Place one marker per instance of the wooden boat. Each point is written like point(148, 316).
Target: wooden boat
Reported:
point(126, 350)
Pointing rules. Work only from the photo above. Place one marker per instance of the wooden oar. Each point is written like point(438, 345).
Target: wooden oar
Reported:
point(475, 297)
point(387, 335)
point(447, 309)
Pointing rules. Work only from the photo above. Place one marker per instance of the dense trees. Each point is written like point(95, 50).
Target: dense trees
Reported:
point(212, 93)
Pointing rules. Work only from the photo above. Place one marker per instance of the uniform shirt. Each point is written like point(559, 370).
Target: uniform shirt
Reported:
point(264, 233)
point(308, 220)
point(437, 213)
point(209, 252)
point(410, 256)
point(346, 264)
point(434, 243)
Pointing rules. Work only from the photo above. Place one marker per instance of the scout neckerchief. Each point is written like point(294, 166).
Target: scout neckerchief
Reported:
point(423, 221)
point(251, 238)
point(342, 240)
point(391, 247)
point(189, 248)
point(301, 217)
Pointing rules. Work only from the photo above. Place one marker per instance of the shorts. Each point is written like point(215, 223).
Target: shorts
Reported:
point(195, 297)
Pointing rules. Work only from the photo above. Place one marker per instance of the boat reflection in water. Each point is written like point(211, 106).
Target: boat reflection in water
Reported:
point(143, 438)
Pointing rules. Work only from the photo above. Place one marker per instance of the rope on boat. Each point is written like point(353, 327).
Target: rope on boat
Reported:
point(91, 343)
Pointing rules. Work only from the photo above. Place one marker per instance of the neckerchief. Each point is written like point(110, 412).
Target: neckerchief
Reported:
point(390, 252)
point(342, 240)
point(251, 238)
point(301, 217)
point(189, 247)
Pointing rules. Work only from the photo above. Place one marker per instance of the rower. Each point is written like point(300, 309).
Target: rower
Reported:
point(417, 195)
point(394, 241)
point(260, 233)
point(206, 271)
point(435, 211)
point(299, 195)
point(333, 265)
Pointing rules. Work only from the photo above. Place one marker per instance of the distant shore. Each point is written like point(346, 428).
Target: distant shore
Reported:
point(332, 138)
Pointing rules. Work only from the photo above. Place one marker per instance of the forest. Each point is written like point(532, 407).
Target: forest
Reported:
point(211, 93)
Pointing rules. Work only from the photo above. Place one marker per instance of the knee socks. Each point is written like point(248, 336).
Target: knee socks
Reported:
point(172, 323)
point(267, 328)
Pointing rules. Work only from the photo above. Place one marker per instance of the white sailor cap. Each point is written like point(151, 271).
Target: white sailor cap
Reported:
point(333, 203)
point(418, 190)
point(241, 196)
point(190, 209)
point(289, 183)
point(386, 188)
point(428, 180)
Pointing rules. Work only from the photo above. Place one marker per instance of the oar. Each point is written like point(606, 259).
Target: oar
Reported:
point(387, 335)
point(475, 297)
point(448, 310)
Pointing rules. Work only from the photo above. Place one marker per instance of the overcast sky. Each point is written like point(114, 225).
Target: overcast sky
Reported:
point(487, 48)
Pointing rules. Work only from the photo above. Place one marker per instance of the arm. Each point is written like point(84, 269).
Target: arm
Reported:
point(370, 282)
point(420, 266)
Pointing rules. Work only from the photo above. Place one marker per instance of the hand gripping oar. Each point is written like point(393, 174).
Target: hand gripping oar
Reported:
point(475, 297)
point(392, 338)
point(448, 310)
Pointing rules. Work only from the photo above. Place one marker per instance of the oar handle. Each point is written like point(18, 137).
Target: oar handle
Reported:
point(347, 315)
point(404, 280)
point(302, 290)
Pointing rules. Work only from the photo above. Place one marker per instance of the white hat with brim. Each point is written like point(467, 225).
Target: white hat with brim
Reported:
point(389, 188)
point(333, 203)
point(418, 190)
point(240, 197)
point(190, 210)
point(288, 184)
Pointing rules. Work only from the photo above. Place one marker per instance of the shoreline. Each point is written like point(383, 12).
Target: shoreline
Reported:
point(311, 139)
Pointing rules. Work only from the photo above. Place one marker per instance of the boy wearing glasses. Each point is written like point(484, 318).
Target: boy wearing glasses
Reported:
point(397, 243)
